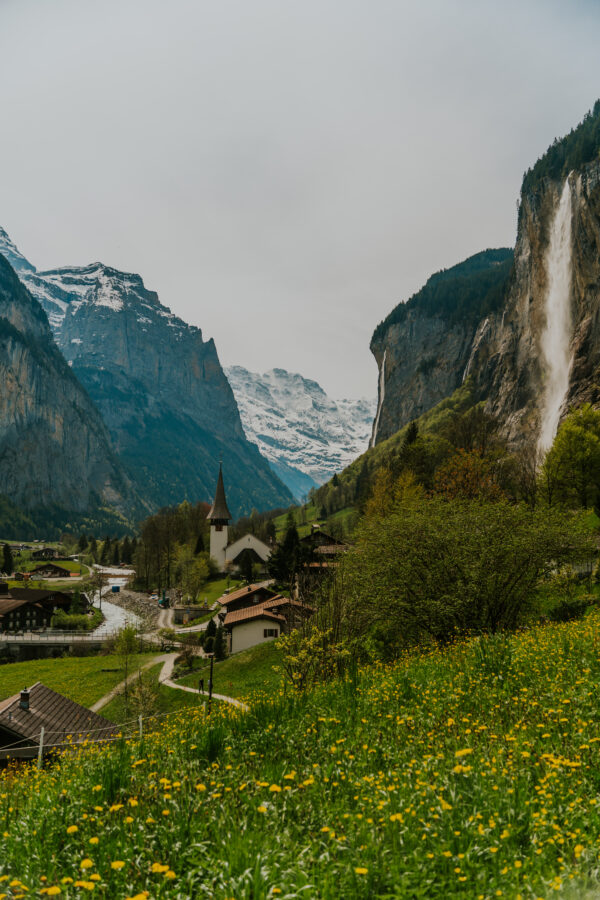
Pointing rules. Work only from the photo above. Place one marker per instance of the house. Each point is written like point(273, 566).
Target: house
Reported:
point(251, 626)
point(264, 621)
point(29, 609)
point(323, 545)
point(24, 716)
point(228, 555)
point(45, 553)
point(249, 595)
point(51, 570)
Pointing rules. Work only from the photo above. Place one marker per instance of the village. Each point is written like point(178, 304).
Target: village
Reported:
point(57, 608)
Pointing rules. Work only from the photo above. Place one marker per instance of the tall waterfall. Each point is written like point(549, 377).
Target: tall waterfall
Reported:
point(556, 336)
point(381, 399)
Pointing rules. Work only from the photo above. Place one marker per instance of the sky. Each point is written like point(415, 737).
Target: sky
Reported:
point(282, 172)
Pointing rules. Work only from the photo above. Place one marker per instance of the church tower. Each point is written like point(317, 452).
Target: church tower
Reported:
point(219, 517)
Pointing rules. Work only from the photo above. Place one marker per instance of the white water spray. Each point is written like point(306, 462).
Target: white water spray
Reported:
point(556, 338)
point(381, 399)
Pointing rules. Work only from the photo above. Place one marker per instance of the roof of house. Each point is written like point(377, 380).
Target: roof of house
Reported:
point(57, 715)
point(278, 601)
point(9, 604)
point(237, 616)
point(247, 591)
point(38, 594)
point(51, 565)
point(219, 509)
point(317, 535)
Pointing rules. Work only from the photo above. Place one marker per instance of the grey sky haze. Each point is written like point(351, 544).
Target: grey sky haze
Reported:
point(282, 172)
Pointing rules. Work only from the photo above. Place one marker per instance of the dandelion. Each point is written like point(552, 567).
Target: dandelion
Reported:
point(72, 829)
point(262, 809)
point(117, 864)
point(86, 863)
point(360, 870)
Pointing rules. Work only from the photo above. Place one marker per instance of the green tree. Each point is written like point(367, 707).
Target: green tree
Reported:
point(116, 556)
point(440, 568)
point(191, 571)
point(219, 643)
point(82, 543)
point(570, 472)
point(7, 560)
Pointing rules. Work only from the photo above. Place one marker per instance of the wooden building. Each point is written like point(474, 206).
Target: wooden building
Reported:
point(64, 723)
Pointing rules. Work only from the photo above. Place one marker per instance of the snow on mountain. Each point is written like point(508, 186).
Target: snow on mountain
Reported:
point(305, 435)
point(13, 254)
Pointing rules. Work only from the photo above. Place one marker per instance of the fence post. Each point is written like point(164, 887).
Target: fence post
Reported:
point(41, 749)
point(141, 727)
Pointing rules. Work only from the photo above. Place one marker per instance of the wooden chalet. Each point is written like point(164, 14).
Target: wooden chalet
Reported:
point(249, 595)
point(41, 714)
point(29, 609)
point(51, 570)
point(264, 621)
point(46, 553)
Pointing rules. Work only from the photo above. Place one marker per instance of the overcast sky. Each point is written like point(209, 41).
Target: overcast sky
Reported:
point(282, 172)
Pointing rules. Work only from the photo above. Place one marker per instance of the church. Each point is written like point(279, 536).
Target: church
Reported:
point(227, 555)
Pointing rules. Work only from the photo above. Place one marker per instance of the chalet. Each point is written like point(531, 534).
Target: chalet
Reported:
point(264, 621)
point(45, 553)
point(226, 555)
point(323, 545)
point(251, 626)
point(249, 595)
point(40, 714)
point(29, 609)
point(51, 570)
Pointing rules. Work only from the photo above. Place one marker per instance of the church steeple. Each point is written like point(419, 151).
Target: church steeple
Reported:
point(219, 513)
point(219, 517)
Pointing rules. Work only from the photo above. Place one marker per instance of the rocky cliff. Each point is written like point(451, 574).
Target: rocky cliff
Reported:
point(54, 448)
point(159, 386)
point(528, 329)
point(305, 435)
point(509, 362)
point(423, 347)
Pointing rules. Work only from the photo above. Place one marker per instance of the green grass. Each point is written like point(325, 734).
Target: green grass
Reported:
point(79, 678)
point(242, 674)
point(168, 700)
point(468, 772)
point(214, 589)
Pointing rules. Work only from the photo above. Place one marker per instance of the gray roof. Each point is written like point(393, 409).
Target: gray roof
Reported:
point(219, 510)
point(57, 715)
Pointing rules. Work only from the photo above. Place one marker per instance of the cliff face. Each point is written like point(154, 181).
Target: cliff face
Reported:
point(54, 448)
point(159, 386)
point(509, 365)
point(423, 347)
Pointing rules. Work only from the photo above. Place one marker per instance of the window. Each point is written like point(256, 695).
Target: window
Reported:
point(271, 632)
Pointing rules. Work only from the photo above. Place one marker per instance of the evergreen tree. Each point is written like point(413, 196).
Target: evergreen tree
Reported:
point(219, 644)
point(82, 543)
point(106, 548)
point(126, 554)
point(8, 561)
point(116, 558)
point(94, 549)
point(271, 531)
point(199, 548)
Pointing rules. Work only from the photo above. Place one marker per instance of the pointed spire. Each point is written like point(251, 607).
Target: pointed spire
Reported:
point(219, 511)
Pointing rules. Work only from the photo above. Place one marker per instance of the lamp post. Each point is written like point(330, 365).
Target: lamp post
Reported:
point(210, 681)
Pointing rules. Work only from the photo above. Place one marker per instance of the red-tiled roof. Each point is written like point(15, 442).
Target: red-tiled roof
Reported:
point(57, 715)
point(247, 591)
point(277, 602)
point(252, 612)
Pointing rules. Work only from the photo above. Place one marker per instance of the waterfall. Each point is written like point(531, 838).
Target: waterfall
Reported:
point(556, 337)
point(381, 399)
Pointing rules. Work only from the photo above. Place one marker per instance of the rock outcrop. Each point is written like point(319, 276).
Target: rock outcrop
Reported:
point(159, 386)
point(55, 450)
point(424, 346)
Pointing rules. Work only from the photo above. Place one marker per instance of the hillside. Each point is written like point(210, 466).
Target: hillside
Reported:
point(469, 772)
point(56, 460)
point(157, 383)
point(424, 345)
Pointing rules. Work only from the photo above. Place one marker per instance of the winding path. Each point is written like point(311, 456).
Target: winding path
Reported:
point(165, 677)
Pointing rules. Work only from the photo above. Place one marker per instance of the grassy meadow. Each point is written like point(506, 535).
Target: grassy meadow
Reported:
point(242, 675)
point(80, 678)
point(471, 772)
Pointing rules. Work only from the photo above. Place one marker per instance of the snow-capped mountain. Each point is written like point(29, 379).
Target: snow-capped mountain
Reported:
point(305, 435)
point(158, 384)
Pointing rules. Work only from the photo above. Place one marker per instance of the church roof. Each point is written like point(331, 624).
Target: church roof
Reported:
point(219, 510)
